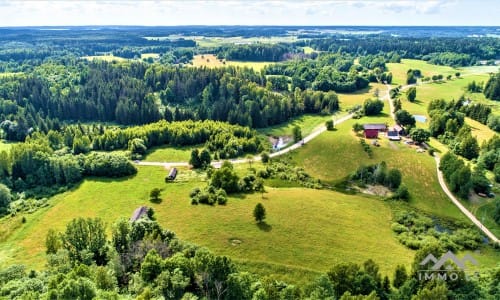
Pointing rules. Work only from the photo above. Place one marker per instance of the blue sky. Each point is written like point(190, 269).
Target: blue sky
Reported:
point(250, 12)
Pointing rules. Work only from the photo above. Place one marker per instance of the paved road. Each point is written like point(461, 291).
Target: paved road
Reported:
point(306, 140)
point(462, 208)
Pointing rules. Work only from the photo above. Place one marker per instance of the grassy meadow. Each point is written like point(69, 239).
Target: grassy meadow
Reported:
point(310, 229)
point(399, 69)
point(168, 153)
point(307, 124)
point(108, 58)
point(341, 154)
point(348, 100)
point(211, 61)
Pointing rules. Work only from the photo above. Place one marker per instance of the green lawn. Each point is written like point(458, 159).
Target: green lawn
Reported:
point(447, 90)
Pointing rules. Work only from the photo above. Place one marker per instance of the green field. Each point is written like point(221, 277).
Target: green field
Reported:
point(109, 57)
point(399, 69)
point(479, 130)
point(311, 229)
point(150, 55)
point(307, 124)
point(169, 154)
point(341, 154)
point(211, 61)
point(348, 100)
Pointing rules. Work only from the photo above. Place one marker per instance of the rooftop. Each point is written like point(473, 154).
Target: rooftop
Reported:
point(375, 126)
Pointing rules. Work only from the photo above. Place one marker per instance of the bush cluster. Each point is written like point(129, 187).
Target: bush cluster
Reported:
point(415, 230)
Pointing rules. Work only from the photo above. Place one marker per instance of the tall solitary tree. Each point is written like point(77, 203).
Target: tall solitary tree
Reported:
point(259, 212)
point(411, 94)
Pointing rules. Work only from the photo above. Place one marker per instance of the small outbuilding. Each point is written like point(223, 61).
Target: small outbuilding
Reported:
point(172, 174)
point(371, 130)
point(139, 213)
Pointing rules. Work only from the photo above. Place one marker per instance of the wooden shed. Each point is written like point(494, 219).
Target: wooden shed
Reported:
point(172, 174)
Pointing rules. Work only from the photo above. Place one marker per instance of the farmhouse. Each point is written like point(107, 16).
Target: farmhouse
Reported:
point(172, 174)
point(371, 130)
point(139, 213)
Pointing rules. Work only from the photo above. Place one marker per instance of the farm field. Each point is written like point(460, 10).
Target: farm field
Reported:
point(211, 61)
point(311, 229)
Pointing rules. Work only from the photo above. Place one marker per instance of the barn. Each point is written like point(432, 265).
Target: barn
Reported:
point(371, 130)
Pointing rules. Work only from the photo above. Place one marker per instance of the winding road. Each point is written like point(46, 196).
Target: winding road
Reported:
point(462, 208)
point(443, 185)
point(322, 129)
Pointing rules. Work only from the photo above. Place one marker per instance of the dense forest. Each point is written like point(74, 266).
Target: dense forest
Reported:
point(449, 51)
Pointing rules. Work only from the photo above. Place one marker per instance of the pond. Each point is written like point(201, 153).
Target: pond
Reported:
point(420, 118)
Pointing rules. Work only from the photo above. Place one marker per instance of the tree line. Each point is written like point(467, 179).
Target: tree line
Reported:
point(453, 51)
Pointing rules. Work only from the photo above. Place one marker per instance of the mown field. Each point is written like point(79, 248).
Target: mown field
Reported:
point(309, 229)
point(168, 153)
point(211, 61)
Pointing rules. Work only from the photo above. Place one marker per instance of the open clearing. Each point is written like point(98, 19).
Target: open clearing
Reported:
point(169, 154)
point(109, 57)
point(211, 61)
point(399, 69)
point(150, 55)
point(307, 124)
point(348, 100)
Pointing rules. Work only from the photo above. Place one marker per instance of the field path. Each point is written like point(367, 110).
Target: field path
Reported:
point(462, 208)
